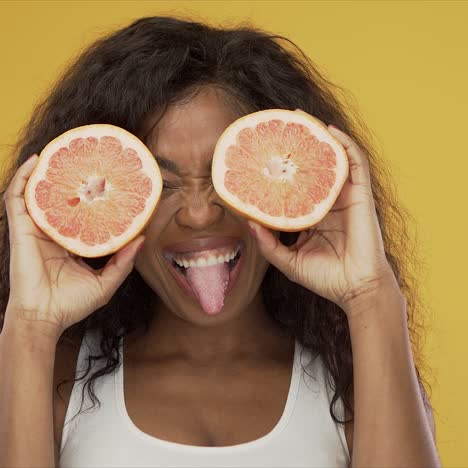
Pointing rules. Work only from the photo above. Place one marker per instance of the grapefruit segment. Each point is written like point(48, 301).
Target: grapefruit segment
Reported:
point(109, 147)
point(280, 168)
point(94, 189)
point(270, 135)
point(293, 134)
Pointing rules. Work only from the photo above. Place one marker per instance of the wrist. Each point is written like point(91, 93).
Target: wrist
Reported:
point(384, 294)
point(33, 333)
point(380, 323)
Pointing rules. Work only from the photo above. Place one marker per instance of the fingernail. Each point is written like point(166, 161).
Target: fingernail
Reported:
point(30, 157)
point(140, 246)
point(333, 126)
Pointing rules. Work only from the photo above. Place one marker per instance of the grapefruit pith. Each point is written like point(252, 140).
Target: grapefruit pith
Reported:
point(280, 168)
point(94, 189)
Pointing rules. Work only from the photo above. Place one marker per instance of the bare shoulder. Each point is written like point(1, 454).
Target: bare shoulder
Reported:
point(64, 370)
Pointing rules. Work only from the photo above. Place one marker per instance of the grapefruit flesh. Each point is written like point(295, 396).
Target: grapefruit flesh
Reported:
point(94, 189)
point(280, 168)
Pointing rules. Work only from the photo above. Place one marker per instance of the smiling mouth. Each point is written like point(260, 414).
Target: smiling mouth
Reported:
point(207, 275)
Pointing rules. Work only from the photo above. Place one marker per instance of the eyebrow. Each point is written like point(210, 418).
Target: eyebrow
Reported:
point(167, 165)
point(171, 166)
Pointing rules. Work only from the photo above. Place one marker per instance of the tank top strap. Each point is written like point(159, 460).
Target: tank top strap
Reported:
point(89, 346)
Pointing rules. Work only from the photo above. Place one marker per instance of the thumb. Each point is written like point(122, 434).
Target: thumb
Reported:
point(119, 267)
point(278, 254)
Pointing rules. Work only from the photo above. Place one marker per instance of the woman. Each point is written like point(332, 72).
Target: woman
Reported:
point(270, 379)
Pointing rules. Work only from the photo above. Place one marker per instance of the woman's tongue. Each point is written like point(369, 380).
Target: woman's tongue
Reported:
point(209, 284)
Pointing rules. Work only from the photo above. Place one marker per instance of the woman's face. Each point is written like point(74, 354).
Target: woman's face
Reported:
point(192, 225)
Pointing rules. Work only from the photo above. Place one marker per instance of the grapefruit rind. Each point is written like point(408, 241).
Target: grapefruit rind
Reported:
point(149, 167)
point(281, 223)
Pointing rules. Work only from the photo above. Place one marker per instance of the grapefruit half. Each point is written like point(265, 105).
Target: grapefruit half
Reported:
point(280, 168)
point(94, 189)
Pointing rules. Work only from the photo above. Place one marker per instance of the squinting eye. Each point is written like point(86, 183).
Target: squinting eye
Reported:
point(168, 186)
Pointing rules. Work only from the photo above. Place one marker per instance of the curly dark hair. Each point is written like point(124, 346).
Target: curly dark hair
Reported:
point(124, 78)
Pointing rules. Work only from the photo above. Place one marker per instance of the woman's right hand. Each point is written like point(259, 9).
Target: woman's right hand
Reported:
point(48, 284)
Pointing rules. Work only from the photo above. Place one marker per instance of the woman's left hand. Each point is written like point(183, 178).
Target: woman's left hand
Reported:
point(342, 258)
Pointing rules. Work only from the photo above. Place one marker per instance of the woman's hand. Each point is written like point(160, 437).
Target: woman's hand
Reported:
point(341, 258)
point(48, 284)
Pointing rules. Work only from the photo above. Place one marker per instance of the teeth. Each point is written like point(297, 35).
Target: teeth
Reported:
point(202, 261)
point(212, 260)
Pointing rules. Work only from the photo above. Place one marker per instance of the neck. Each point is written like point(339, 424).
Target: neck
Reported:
point(253, 332)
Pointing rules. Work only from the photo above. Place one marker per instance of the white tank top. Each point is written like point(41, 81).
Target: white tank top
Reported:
point(305, 435)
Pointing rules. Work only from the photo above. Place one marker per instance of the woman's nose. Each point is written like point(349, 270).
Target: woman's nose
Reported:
point(202, 209)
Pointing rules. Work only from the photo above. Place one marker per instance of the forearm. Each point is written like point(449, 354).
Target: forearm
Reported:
point(26, 411)
point(390, 427)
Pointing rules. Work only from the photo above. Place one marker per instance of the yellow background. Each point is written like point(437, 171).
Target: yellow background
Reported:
point(405, 62)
